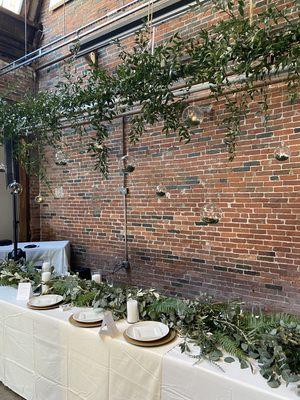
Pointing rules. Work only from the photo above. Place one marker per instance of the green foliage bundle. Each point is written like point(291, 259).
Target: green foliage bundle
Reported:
point(255, 49)
point(219, 329)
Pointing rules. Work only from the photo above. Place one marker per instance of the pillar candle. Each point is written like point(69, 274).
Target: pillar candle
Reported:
point(96, 277)
point(46, 276)
point(132, 311)
point(46, 267)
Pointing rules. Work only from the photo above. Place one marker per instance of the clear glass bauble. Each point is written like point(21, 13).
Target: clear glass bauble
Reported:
point(193, 115)
point(211, 213)
point(60, 158)
point(15, 188)
point(2, 167)
point(39, 199)
point(161, 191)
point(282, 152)
point(127, 164)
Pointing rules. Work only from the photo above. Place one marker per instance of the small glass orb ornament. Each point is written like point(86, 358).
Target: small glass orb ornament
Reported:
point(60, 158)
point(2, 167)
point(283, 152)
point(161, 191)
point(15, 188)
point(193, 115)
point(39, 199)
point(127, 164)
point(211, 214)
point(97, 146)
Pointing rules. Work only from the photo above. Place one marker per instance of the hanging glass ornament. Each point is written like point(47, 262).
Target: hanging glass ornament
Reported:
point(193, 115)
point(15, 188)
point(161, 191)
point(60, 158)
point(282, 152)
point(127, 164)
point(210, 213)
point(39, 199)
point(2, 167)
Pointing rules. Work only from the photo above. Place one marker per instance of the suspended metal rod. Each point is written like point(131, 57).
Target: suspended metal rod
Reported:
point(72, 36)
point(205, 88)
point(158, 21)
point(25, 27)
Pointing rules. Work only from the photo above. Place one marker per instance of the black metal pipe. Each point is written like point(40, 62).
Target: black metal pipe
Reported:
point(15, 226)
point(124, 151)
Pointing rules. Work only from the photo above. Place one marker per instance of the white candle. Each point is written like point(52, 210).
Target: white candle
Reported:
point(46, 267)
point(132, 311)
point(46, 276)
point(96, 277)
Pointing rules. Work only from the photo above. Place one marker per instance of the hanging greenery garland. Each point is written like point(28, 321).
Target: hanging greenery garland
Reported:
point(236, 58)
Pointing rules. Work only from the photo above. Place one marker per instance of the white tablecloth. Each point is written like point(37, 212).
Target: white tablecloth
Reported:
point(44, 357)
point(182, 379)
point(57, 252)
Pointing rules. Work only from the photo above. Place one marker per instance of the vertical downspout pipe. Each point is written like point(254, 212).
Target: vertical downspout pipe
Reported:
point(125, 263)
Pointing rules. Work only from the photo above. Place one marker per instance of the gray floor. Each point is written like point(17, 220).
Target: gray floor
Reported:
point(6, 394)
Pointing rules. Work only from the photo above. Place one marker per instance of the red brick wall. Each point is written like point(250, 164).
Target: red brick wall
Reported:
point(252, 253)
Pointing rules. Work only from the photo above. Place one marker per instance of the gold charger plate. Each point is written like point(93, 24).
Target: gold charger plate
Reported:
point(44, 308)
point(155, 343)
point(84, 324)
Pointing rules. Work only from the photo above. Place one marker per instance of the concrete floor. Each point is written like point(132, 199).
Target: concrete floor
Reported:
point(6, 394)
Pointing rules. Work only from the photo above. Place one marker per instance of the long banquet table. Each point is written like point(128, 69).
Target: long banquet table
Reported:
point(44, 357)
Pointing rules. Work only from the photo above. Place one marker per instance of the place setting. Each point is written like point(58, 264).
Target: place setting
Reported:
point(45, 302)
point(87, 318)
point(149, 334)
point(145, 333)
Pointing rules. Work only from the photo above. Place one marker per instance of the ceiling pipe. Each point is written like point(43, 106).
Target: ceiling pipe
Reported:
point(162, 19)
point(74, 36)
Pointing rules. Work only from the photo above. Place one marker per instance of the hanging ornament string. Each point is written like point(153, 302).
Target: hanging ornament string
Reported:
point(150, 25)
point(250, 12)
point(64, 17)
point(25, 27)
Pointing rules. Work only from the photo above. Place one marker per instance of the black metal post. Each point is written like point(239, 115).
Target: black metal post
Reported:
point(15, 226)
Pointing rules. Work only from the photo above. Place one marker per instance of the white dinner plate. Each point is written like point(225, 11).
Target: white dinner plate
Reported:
point(147, 331)
point(89, 315)
point(45, 300)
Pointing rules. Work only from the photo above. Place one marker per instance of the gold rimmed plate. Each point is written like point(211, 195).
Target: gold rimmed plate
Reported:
point(147, 331)
point(155, 343)
point(84, 324)
point(45, 301)
point(44, 308)
point(89, 315)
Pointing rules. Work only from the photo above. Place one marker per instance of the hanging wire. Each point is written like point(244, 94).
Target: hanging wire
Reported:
point(25, 27)
point(64, 17)
point(150, 25)
point(251, 11)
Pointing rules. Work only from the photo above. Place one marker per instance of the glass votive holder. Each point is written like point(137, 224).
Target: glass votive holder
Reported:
point(97, 276)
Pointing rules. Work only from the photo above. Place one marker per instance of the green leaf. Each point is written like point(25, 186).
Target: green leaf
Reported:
point(229, 360)
point(244, 364)
point(274, 383)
